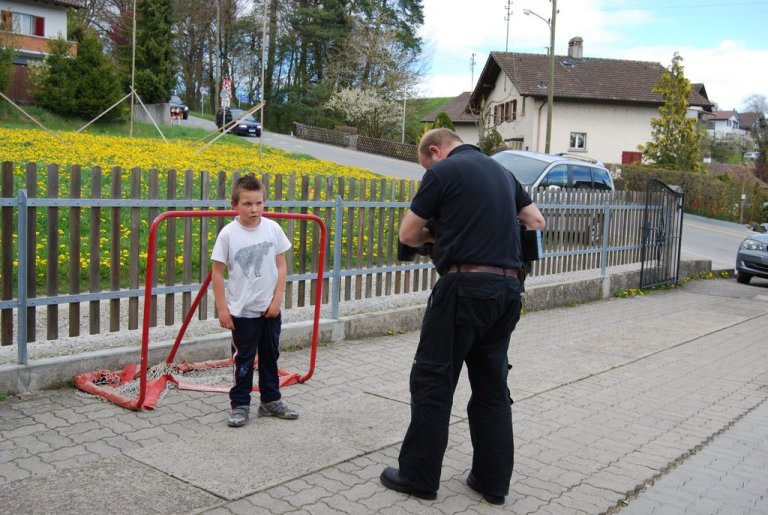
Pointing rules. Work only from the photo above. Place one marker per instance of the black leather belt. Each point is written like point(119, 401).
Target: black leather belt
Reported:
point(506, 272)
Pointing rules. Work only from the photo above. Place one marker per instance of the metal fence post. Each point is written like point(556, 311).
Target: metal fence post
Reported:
point(604, 249)
point(338, 227)
point(21, 280)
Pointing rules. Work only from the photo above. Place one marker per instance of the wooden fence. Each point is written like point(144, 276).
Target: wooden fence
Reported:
point(75, 239)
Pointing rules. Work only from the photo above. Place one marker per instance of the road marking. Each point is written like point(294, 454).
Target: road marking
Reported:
point(743, 233)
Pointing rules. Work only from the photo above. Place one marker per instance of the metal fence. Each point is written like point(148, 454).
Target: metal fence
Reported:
point(60, 251)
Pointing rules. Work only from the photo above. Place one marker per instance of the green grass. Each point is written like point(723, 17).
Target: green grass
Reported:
point(11, 117)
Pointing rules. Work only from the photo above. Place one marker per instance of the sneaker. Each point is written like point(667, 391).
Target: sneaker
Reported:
point(239, 416)
point(277, 409)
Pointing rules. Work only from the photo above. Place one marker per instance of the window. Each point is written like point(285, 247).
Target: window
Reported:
point(582, 177)
point(505, 112)
point(557, 176)
point(578, 141)
point(601, 179)
point(21, 23)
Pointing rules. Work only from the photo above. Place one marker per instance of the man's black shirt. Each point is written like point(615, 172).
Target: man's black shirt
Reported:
point(473, 202)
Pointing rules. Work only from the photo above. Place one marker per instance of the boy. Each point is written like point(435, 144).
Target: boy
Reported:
point(252, 249)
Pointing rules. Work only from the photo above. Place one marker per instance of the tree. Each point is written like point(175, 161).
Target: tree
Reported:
point(84, 86)
point(443, 120)
point(155, 60)
point(372, 115)
point(758, 104)
point(674, 136)
point(6, 65)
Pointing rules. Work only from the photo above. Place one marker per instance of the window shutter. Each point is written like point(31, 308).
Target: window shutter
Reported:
point(39, 26)
point(5, 21)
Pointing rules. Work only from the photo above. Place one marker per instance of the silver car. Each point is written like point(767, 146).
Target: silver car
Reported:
point(555, 171)
point(752, 258)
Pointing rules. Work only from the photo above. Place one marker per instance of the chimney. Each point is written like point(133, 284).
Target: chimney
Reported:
point(576, 48)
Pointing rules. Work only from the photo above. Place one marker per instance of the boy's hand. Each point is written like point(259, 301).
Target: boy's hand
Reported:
point(273, 310)
point(225, 320)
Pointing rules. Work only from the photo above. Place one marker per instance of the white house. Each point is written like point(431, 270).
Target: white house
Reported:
point(28, 26)
point(725, 124)
point(602, 107)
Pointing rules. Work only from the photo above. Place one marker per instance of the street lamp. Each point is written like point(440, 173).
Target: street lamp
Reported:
point(551, 83)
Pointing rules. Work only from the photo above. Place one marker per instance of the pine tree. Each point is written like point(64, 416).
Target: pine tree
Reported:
point(155, 63)
point(674, 136)
point(83, 86)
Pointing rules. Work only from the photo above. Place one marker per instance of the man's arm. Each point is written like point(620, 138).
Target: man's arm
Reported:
point(531, 217)
point(217, 278)
point(413, 230)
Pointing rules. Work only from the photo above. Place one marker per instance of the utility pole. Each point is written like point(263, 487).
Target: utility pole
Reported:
point(507, 18)
point(133, 69)
point(263, 68)
point(551, 89)
point(217, 61)
point(472, 68)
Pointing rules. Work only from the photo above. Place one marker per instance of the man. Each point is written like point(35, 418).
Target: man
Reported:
point(474, 207)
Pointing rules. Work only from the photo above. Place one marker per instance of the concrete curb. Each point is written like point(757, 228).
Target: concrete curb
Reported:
point(58, 372)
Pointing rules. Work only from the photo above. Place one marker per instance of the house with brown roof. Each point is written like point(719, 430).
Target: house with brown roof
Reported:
point(465, 122)
point(28, 26)
point(602, 108)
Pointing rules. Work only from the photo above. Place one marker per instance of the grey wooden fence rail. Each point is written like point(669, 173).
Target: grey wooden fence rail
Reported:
point(70, 236)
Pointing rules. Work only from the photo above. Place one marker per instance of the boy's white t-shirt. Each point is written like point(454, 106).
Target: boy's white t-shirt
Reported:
point(249, 254)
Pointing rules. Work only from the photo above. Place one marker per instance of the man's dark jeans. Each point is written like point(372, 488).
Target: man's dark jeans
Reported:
point(469, 319)
point(252, 335)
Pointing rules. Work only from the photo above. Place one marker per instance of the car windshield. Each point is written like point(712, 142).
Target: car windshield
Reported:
point(237, 114)
point(175, 100)
point(525, 169)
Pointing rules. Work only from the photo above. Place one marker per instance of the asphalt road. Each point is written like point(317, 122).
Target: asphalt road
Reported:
point(382, 165)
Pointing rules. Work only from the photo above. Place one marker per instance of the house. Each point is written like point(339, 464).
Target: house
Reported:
point(602, 108)
point(27, 26)
point(465, 123)
point(725, 124)
point(753, 122)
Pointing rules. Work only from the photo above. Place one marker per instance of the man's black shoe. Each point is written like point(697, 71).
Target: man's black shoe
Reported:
point(392, 480)
point(491, 499)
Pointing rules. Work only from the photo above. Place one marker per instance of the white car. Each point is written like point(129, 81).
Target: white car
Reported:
point(555, 171)
point(751, 155)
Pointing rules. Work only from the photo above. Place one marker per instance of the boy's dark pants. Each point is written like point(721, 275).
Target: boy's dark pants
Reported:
point(252, 335)
point(469, 318)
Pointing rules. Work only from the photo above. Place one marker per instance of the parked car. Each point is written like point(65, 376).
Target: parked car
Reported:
point(175, 102)
point(751, 155)
point(245, 124)
point(555, 170)
point(752, 258)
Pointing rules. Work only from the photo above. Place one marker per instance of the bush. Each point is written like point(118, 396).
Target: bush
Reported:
point(490, 142)
point(442, 120)
point(706, 195)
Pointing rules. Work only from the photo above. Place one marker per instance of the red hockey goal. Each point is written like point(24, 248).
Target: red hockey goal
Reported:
point(137, 386)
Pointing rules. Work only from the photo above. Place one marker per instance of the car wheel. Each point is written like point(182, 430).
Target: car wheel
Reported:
point(186, 116)
point(743, 278)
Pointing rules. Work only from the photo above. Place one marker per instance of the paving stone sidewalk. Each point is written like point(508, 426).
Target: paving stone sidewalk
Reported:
point(649, 404)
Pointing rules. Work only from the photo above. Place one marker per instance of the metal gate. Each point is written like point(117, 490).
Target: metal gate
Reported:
point(662, 235)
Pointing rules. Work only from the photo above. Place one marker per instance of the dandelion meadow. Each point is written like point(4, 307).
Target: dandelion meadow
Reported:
point(37, 146)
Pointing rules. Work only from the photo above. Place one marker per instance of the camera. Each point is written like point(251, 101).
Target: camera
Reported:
point(408, 253)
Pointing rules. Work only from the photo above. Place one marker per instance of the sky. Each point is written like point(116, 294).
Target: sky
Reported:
point(724, 44)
